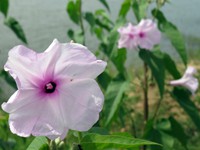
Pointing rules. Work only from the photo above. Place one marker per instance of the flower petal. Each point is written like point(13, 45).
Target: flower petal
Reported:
point(82, 70)
point(50, 121)
point(19, 61)
point(85, 100)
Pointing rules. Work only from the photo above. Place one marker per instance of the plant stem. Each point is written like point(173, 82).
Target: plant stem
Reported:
point(81, 21)
point(52, 145)
point(145, 90)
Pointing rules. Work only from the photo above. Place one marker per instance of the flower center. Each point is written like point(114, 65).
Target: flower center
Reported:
point(141, 34)
point(50, 87)
point(131, 36)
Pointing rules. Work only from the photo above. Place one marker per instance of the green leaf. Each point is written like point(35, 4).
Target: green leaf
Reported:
point(170, 65)
point(14, 25)
point(39, 143)
point(73, 11)
point(155, 62)
point(114, 36)
point(100, 142)
point(4, 4)
point(125, 8)
point(136, 10)
point(8, 79)
point(70, 34)
point(182, 96)
point(172, 33)
point(105, 4)
point(178, 132)
point(140, 9)
point(104, 80)
point(114, 96)
point(89, 17)
point(118, 58)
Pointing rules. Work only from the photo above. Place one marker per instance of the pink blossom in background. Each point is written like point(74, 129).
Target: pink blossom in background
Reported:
point(144, 35)
point(188, 80)
point(148, 34)
point(56, 90)
point(127, 37)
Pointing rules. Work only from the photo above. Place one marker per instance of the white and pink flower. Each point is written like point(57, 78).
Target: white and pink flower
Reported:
point(144, 35)
point(56, 90)
point(188, 80)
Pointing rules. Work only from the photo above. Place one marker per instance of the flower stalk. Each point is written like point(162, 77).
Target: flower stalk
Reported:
point(81, 21)
point(145, 92)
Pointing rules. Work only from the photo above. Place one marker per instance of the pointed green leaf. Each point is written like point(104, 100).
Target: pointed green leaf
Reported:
point(172, 33)
point(155, 62)
point(140, 9)
point(100, 142)
point(125, 8)
point(4, 4)
point(8, 79)
point(73, 11)
point(178, 131)
point(170, 66)
point(39, 143)
point(14, 25)
point(105, 4)
point(89, 17)
point(118, 58)
point(182, 96)
point(114, 97)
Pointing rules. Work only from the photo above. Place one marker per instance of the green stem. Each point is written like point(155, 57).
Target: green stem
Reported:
point(52, 145)
point(145, 90)
point(79, 137)
point(81, 21)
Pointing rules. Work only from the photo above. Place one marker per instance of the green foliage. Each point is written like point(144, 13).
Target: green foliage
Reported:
point(182, 96)
point(155, 63)
point(172, 33)
point(165, 132)
point(4, 5)
point(8, 78)
point(39, 143)
point(73, 10)
point(118, 58)
point(140, 8)
point(105, 4)
point(14, 25)
point(100, 142)
point(114, 98)
point(125, 8)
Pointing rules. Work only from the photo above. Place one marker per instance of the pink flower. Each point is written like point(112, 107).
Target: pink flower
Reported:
point(148, 34)
point(56, 90)
point(187, 81)
point(144, 35)
point(127, 37)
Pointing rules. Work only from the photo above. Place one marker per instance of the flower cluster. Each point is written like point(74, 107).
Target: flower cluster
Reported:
point(56, 90)
point(144, 35)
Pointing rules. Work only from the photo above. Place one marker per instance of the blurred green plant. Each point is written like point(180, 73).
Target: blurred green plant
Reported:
point(11, 22)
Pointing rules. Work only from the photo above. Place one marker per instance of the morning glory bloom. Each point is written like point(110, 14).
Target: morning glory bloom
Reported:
point(127, 37)
point(188, 80)
point(56, 90)
point(144, 35)
point(148, 34)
